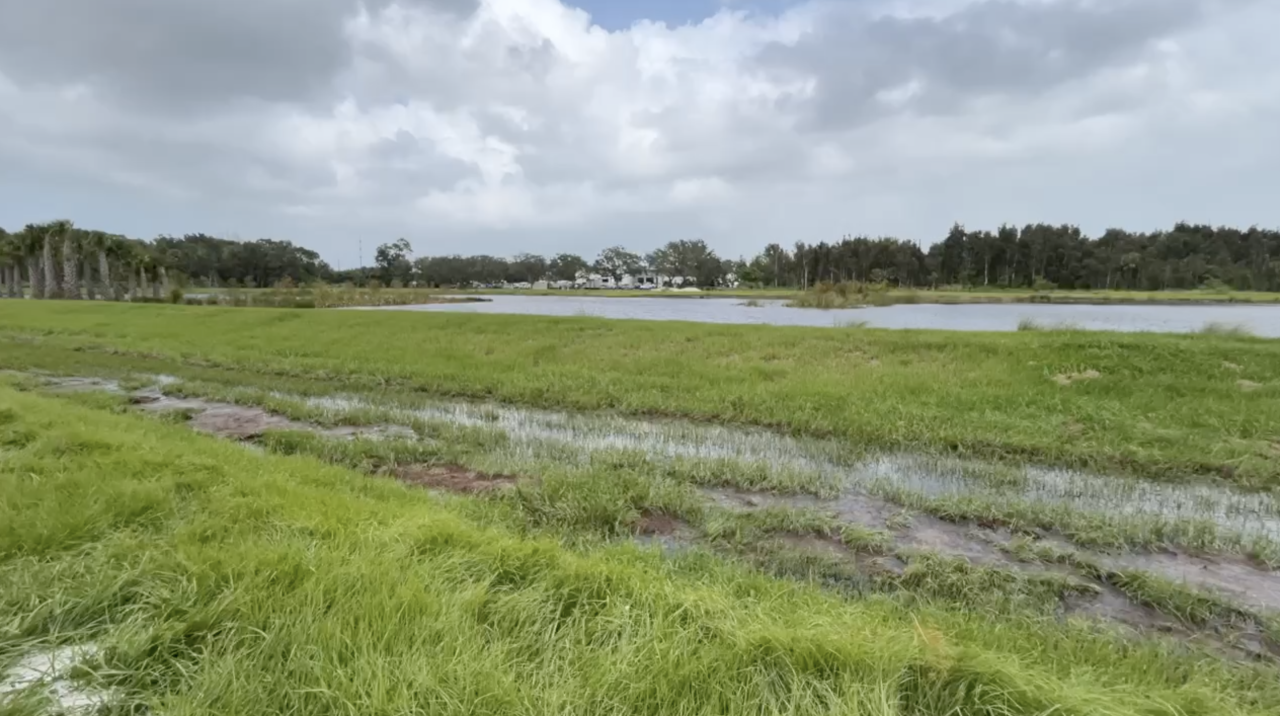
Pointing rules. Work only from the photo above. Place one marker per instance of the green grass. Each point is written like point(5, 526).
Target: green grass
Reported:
point(220, 580)
point(1161, 406)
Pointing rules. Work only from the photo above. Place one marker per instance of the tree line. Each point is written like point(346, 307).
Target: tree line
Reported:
point(1187, 256)
point(691, 260)
point(58, 260)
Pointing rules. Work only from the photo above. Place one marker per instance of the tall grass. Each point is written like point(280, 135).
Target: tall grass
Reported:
point(849, 294)
point(1225, 330)
point(218, 580)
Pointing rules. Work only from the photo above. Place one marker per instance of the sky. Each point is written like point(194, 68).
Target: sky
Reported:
point(503, 126)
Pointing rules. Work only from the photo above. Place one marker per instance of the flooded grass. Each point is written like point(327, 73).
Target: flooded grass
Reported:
point(612, 477)
point(1157, 577)
point(207, 576)
point(1162, 408)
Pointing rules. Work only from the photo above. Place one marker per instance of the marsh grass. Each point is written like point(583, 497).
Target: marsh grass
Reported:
point(1162, 410)
point(210, 575)
point(1218, 329)
point(1093, 511)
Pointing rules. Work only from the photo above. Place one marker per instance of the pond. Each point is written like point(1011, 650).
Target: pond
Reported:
point(1258, 320)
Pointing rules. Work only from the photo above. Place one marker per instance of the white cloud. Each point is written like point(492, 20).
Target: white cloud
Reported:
point(510, 125)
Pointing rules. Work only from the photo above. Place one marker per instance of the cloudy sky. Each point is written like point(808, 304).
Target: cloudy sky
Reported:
point(500, 126)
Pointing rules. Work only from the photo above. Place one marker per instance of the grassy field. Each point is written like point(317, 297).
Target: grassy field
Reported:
point(194, 576)
point(1167, 407)
point(503, 514)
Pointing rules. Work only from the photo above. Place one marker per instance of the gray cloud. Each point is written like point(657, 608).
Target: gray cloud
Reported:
point(186, 54)
point(992, 47)
point(515, 127)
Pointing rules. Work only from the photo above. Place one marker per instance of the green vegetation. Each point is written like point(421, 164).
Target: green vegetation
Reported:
point(207, 577)
point(1161, 406)
point(1037, 262)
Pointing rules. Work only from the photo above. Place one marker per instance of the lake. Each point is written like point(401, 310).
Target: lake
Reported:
point(1259, 320)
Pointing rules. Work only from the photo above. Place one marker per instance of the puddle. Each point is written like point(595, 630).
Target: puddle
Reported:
point(228, 420)
point(835, 467)
point(921, 532)
point(1240, 583)
point(823, 466)
point(47, 672)
point(451, 478)
point(1111, 606)
point(826, 466)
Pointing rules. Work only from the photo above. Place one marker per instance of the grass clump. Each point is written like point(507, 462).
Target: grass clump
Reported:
point(1218, 329)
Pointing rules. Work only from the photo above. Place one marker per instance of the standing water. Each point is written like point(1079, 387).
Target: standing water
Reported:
point(1257, 320)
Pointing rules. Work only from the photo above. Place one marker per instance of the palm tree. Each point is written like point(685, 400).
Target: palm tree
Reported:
point(97, 242)
point(53, 231)
point(116, 249)
point(9, 258)
point(30, 241)
point(71, 240)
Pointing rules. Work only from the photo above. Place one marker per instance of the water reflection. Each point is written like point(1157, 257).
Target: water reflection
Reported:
point(832, 467)
point(1259, 320)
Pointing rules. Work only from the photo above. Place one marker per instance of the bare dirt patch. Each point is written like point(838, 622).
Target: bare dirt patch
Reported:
point(452, 478)
point(1248, 386)
point(1066, 379)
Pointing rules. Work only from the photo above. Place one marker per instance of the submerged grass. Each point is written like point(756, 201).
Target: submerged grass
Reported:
point(220, 580)
point(1161, 406)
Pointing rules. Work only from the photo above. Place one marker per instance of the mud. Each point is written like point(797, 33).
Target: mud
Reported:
point(451, 478)
point(919, 532)
point(227, 420)
point(1235, 580)
point(1241, 583)
point(658, 529)
point(239, 422)
point(657, 523)
point(1111, 604)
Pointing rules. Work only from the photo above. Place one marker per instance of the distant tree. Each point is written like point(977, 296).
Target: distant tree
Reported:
point(566, 267)
point(394, 261)
point(527, 268)
point(616, 262)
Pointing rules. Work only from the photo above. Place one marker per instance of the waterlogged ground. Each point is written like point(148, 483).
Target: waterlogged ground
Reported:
point(1190, 559)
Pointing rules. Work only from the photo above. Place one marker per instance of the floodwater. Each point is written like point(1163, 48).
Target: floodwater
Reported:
point(834, 468)
point(1258, 320)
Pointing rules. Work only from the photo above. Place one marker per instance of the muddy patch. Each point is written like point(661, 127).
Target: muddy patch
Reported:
point(1111, 604)
point(915, 531)
point(657, 523)
point(1234, 580)
point(658, 529)
point(239, 422)
point(451, 478)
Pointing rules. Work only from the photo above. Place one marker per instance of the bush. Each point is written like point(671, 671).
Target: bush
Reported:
point(175, 295)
